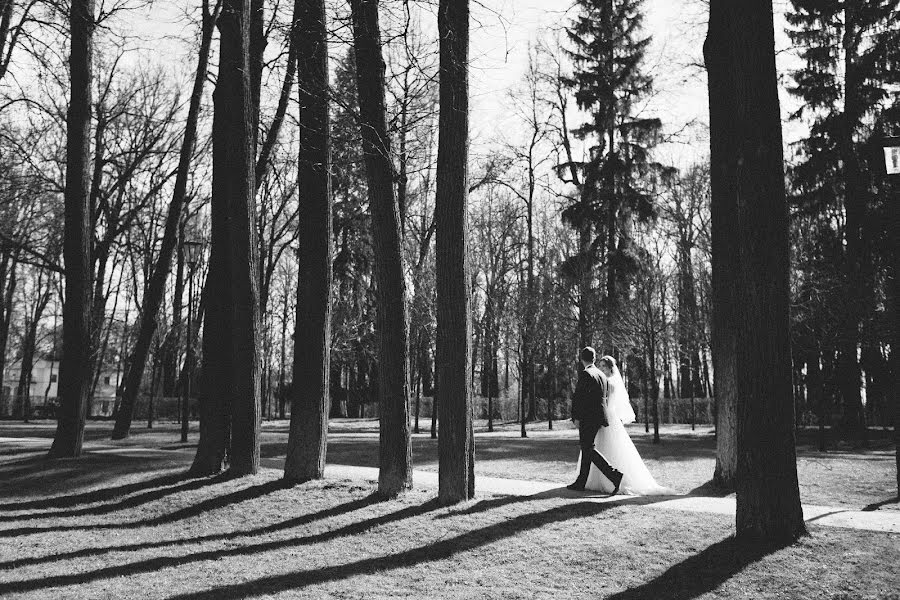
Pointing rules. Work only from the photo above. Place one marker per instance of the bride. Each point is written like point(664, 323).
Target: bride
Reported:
point(614, 443)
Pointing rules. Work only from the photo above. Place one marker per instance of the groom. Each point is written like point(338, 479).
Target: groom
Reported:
point(591, 394)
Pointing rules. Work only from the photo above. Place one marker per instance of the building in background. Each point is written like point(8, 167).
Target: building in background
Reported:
point(43, 391)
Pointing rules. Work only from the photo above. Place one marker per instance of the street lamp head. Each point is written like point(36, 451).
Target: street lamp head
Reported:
point(890, 145)
point(892, 160)
point(192, 251)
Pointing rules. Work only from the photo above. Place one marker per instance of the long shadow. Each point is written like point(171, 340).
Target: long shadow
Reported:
point(701, 573)
point(828, 514)
point(164, 487)
point(248, 493)
point(327, 513)
point(99, 495)
point(163, 562)
point(440, 550)
point(710, 489)
point(877, 505)
point(560, 492)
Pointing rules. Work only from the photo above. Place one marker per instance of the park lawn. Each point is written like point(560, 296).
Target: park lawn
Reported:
point(113, 526)
point(684, 460)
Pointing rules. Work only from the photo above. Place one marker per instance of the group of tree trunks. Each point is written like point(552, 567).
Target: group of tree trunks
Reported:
point(750, 250)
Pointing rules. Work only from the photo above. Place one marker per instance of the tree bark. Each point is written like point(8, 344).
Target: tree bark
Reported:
point(307, 441)
point(7, 291)
point(229, 398)
point(748, 193)
point(454, 339)
point(156, 288)
point(75, 366)
point(395, 449)
point(235, 111)
point(724, 268)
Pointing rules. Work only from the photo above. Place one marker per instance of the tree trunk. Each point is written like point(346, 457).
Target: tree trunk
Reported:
point(395, 456)
point(855, 294)
point(308, 439)
point(229, 398)
point(23, 389)
point(748, 199)
point(7, 292)
point(724, 273)
point(585, 296)
point(282, 392)
point(654, 391)
point(454, 327)
point(173, 347)
point(75, 366)
point(256, 51)
point(816, 392)
point(156, 288)
point(235, 112)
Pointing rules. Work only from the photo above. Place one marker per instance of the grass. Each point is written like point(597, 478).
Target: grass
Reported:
point(684, 460)
point(119, 526)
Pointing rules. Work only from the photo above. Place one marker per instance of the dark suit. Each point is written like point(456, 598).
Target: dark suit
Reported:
point(588, 403)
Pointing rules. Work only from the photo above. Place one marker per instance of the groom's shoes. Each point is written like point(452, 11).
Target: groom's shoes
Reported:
point(616, 480)
point(576, 487)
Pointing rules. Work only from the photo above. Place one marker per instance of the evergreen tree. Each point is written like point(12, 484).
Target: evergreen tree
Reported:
point(850, 52)
point(353, 336)
point(609, 83)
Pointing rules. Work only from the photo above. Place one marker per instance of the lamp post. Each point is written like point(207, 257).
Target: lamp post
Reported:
point(891, 149)
point(192, 250)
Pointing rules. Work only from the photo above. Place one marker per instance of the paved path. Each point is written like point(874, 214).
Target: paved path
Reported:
point(887, 521)
point(877, 520)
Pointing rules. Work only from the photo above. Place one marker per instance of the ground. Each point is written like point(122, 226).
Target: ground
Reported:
point(128, 524)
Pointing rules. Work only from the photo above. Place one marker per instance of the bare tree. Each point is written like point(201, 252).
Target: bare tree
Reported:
point(75, 367)
point(155, 290)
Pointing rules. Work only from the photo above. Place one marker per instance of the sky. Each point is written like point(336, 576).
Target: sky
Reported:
point(500, 33)
point(502, 30)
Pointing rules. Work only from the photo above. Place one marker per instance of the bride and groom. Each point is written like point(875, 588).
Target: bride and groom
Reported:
point(609, 461)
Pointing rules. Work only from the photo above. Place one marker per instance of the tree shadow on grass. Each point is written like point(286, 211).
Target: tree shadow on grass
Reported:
point(157, 488)
point(559, 492)
point(878, 505)
point(440, 550)
point(327, 513)
point(26, 482)
point(93, 496)
point(164, 562)
point(710, 489)
point(701, 573)
point(242, 495)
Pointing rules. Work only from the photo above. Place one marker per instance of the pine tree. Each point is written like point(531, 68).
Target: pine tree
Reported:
point(850, 52)
point(609, 83)
point(751, 266)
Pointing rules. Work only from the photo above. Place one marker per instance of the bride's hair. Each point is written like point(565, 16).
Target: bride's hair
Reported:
point(609, 361)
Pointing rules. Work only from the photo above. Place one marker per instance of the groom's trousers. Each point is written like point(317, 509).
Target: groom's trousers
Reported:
point(587, 432)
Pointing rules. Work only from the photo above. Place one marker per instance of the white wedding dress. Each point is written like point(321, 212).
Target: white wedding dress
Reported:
point(614, 443)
